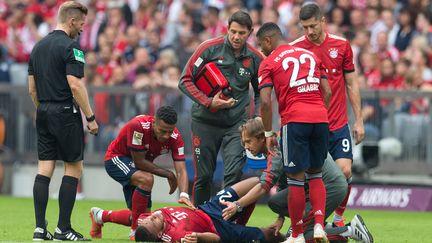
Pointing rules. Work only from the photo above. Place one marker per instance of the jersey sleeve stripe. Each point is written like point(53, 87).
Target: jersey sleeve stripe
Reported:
point(336, 37)
point(265, 85)
point(297, 40)
point(187, 78)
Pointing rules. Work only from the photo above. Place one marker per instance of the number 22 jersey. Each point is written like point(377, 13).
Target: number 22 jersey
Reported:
point(295, 74)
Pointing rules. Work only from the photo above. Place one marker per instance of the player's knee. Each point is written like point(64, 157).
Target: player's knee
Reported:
point(345, 167)
point(144, 180)
point(73, 169)
point(346, 170)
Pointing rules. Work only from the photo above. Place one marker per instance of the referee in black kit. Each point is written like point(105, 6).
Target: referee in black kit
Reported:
point(55, 70)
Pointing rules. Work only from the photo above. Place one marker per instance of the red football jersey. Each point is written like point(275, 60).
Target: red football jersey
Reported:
point(180, 221)
point(336, 55)
point(295, 75)
point(138, 135)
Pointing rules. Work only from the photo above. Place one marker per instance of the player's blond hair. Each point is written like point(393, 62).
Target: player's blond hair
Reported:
point(253, 127)
point(71, 9)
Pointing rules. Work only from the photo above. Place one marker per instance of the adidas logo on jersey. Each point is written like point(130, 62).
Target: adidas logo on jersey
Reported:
point(291, 164)
point(319, 212)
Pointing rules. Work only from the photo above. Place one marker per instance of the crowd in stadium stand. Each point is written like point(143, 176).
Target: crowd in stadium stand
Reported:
point(145, 43)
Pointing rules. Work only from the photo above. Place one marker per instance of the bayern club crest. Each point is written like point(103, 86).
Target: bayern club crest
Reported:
point(196, 140)
point(333, 52)
point(247, 62)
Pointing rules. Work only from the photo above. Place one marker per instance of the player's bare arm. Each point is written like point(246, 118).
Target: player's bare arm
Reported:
point(252, 196)
point(326, 91)
point(266, 114)
point(183, 183)
point(278, 224)
point(32, 90)
point(142, 164)
point(353, 92)
point(79, 92)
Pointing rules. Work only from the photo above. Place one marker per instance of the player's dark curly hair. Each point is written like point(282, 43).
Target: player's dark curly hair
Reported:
point(269, 29)
point(167, 114)
point(143, 235)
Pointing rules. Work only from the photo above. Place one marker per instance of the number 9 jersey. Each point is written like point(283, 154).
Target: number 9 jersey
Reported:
point(295, 74)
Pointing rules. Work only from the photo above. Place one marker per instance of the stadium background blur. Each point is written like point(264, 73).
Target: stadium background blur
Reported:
point(136, 49)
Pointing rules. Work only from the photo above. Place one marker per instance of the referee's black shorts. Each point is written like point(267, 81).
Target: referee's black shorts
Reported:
point(60, 132)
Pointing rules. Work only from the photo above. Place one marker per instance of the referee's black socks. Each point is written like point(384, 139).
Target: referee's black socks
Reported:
point(40, 198)
point(67, 194)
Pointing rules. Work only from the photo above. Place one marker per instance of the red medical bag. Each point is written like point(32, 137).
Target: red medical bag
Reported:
point(210, 81)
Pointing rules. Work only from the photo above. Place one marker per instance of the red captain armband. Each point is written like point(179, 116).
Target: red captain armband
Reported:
point(210, 81)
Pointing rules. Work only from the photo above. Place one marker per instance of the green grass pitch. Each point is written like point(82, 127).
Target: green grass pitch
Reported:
point(17, 221)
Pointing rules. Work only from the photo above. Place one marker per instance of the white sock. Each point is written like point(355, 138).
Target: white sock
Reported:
point(337, 217)
point(99, 216)
point(347, 233)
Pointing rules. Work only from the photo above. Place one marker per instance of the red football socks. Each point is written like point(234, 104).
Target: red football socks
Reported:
point(296, 205)
point(317, 196)
point(140, 201)
point(117, 216)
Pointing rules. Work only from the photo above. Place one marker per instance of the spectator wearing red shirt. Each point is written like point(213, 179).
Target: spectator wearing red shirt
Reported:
point(369, 65)
point(384, 50)
point(389, 80)
point(213, 25)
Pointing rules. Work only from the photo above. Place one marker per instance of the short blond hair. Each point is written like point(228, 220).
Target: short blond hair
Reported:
point(71, 9)
point(253, 127)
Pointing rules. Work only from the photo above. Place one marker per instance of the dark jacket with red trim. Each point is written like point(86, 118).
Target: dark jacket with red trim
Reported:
point(239, 71)
point(274, 172)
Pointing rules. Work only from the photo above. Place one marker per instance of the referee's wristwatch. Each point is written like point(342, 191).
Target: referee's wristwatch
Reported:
point(91, 118)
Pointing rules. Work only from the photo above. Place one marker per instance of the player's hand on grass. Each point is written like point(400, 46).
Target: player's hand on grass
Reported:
point(172, 181)
point(358, 131)
point(278, 224)
point(229, 211)
point(218, 103)
point(187, 202)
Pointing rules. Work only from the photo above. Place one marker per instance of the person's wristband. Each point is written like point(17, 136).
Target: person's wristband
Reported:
point(185, 195)
point(91, 118)
point(239, 208)
point(268, 134)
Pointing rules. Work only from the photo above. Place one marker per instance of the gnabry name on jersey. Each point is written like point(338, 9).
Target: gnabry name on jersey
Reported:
point(308, 88)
